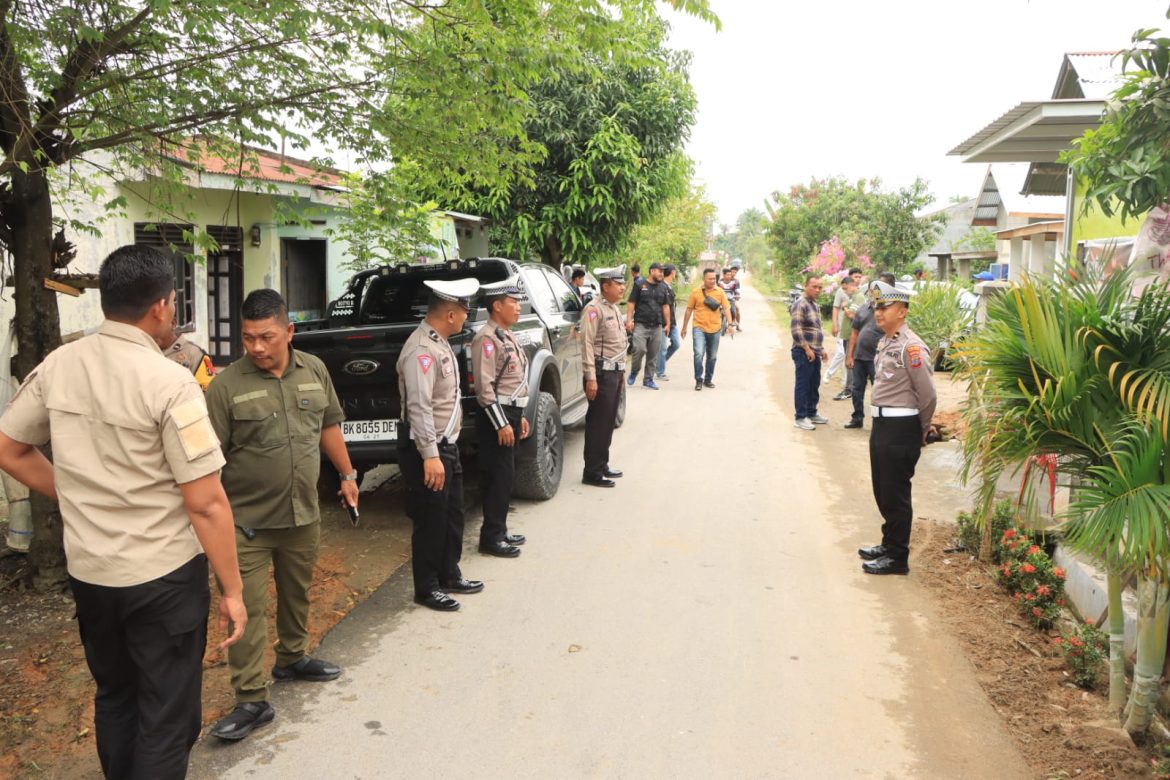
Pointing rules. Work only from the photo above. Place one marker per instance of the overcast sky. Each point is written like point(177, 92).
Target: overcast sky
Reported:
point(791, 90)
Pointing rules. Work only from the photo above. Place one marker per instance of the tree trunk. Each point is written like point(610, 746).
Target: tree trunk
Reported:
point(550, 253)
point(1153, 618)
point(28, 214)
point(1116, 643)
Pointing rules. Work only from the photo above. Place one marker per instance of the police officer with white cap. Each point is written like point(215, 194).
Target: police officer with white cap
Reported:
point(904, 399)
point(603, 355)
point(500, 368)
point(428, 383)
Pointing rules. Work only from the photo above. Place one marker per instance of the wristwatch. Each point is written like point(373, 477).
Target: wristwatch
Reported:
point(350, 477)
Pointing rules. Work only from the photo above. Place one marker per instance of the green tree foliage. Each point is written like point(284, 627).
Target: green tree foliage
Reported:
point(1126, 160)
point(125, 85)
point(867, 219)
point(677, 235)
point(747, 241)
point(610, 137)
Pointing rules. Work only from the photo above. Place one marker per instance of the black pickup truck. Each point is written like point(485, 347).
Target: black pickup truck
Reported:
point(362, 335)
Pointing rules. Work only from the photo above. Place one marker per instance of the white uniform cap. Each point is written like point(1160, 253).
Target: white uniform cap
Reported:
point(617, 272)
point(881, 293)
point(456, 290)
point(509, 287)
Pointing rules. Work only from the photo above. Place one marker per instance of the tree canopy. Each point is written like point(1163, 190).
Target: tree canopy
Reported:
point(677, 235)
point(610, 140)
point(868, 220)
point(747, 240)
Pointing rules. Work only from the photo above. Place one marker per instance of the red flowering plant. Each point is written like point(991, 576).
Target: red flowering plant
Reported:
point(1027, 572)
point(1084, 648)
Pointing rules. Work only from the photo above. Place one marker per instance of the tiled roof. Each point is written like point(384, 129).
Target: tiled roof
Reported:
point(263, 165)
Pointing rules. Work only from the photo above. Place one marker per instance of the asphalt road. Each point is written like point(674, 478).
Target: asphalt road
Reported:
point(706, 618)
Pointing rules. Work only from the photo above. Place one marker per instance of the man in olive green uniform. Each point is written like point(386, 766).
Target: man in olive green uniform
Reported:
point(428, 454)
point(904, 399)
point(500, 368)
point(274, 411)
point(136, 471)
point(603, 364)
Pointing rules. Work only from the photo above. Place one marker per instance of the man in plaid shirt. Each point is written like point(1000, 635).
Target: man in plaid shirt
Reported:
point(808, 350)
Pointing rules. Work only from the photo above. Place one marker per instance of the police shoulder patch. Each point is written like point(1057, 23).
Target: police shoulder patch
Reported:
point(425, 361)
point(489, 348)
point(914, 352)
point(592, 314)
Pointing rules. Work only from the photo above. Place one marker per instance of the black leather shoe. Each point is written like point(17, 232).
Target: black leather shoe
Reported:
point(611, 473)
point(699, 386)
point(463, 585)
point(438, 600)
point(598, 481)
point(311, 669)
point(885, 565)
point(872, 553)
point(516, 539)
point(499, 548)
point(855, 424)
point(709, 385)
point(243, 720)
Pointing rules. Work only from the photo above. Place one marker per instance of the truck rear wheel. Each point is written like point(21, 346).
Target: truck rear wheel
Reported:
point(540, 460)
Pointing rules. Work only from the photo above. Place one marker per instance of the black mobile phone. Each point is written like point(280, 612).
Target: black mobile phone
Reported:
point(353, 512)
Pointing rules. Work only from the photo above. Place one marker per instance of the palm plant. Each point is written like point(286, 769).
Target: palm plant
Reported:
point(1071, 368)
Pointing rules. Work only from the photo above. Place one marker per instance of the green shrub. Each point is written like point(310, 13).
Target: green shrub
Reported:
point(970, 535)
point(1027, 572)
point(1084, 648)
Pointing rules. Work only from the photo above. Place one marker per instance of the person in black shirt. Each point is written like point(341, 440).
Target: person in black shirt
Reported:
point(859, 355)
point(647, 316)
point(670, 342)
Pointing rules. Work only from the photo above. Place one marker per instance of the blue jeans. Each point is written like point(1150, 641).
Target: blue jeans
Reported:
point(808, 383)
point(669, 347)
point(706, 344)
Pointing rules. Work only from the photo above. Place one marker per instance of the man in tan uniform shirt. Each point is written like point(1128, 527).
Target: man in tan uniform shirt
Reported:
point(136, 471)
point(603, 364)
point(904, 400)
point(428, 456)
point(500, 368)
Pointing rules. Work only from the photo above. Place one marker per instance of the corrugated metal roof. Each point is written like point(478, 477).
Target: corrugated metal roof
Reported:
point(1035, 131)
point(1088, 74)
point(1010, 178)
point(1046, 179)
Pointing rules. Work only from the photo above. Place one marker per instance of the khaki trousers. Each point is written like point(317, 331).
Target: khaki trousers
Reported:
point(292, 552)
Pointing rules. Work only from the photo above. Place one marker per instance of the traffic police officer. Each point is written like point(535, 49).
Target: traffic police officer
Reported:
point(275, 412)
point(500, 368)
point(603, 355)
point(904, 399)
point(428, 384)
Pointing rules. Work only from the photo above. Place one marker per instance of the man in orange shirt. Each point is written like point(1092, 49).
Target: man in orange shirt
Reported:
point(705, 305)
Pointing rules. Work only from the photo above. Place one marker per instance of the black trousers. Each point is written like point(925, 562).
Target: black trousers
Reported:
point(894, 446)
point(437, 539)
point(497, 468)
point(144, 645)
point(863, 373)
point(600, 421)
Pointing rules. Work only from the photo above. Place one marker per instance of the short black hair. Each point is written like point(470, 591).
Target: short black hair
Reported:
point(489, 302)
point(709, 271)
point(436, 304)
point(133, 278)
point(668, 269)
point(848, 279)
point(636, 269)
point(809, 277)
point(578, 274)
point(263, 304)
point(854, 271)
point(887, 277)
